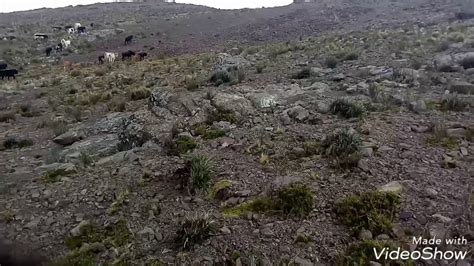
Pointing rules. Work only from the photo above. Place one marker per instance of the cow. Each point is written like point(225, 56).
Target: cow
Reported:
point(129, 39)
point(40, 36)
point(101, 59)
point(142, 55)
point(16, 255)
point(127, 55)
point(92, 25)
point(48, 51)
point(77, 25)
point(3, 66)
point(59, 47)
point(71, 30)
point(81, 29)
point(57, 28)
point(110, 57)
point(66, 43)
point(8, 73)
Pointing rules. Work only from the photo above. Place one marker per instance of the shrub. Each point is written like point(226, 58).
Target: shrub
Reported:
point(85, 158)
point(220, 77)
point(115, 235)
point(444, 46)
point(343, 147)
point(347, 109)
point(456, 37)
point(75, 113)
point(27, 110)
point(303, 73)
point(223, 115)
point(201, 171)
point(182, 144)
point(296, 199)
point(259, 205)
point(374, 211)
point(139, 94)
point(59, 127)
point(260, 67)
point(13, 143)
point(117, 105)
point(192, 83)
point(331, 62)
point(452, 102)
point(207, 132)
point(440, 137)
point(76, 73)
point(194, 230)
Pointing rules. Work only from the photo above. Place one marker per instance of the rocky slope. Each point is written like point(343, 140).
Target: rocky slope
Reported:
point(247, 156)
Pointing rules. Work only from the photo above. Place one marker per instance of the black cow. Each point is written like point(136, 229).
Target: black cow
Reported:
point(81, 29)
point(48, 51)
point(92, 24)
point(59, 47)
point(142, 55)
point(127, 55)
point(3, 66)
point(8, 73)
point(129, 39)
point(101, 59)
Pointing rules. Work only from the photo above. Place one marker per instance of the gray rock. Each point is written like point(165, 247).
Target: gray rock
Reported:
point(68, 138)
point(264, 100)
point(76, 231)
point(302, 262)
point(320, 87)
point(365, 235)
point(463, 151)
point(363, 165)
point(442, 218)
point(298, 113)
point(65, 168)
point(227, 62)
point(125, 156)
point(225, 230)
point(232, 102)
point(456, 132)
point(323, 108)
point(418, 106)
point(96, 147)
point(393, 186)
point(431, 193)
point(383, 237)
point(338, 77)
point(444, 63)
point(266, 231)
point(461, 87)
point(175, 101)
point(367, 151)
point(147, 233)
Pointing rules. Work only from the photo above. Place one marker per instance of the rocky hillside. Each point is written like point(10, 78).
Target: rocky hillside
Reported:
point(311, 151)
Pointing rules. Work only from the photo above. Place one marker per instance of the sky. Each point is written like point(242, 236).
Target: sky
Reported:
point(18, 5)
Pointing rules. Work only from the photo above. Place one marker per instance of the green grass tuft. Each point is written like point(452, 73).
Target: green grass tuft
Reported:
point(194, 230)
point(347, 109)
point(343, 147)
point(374, 211)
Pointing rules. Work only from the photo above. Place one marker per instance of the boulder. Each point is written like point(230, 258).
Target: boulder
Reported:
point(461, 87)
point(95, 146)
point(393, 186)
point(176, 101)
point(228, 62)
point(68, 138)
point(298, 113)
point(232, 102)
point(125, 156)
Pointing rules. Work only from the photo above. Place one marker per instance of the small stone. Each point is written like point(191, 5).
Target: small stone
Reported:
point(406, 215)
point(367, 151)
point(431, 193)
point(365, 235)
point(393, 186)
point(449, 162)
point(363, 165)
point(147, 232)
point(267, 232)
point(302, 262)
point(385, 148)
point(77, 230)
point(374, 263)
point(225, 230)
point(383, 237)
point(420, 129)
point(398, 231)
point(456, 132)
point(463, 151)
point(442, 218)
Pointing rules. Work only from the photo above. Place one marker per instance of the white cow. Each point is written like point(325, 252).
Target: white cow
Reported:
point(110, 57)
point(66, 43)
point(77, 25)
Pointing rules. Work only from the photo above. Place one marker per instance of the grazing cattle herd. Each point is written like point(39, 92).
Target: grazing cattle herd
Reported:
point(65, 43)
